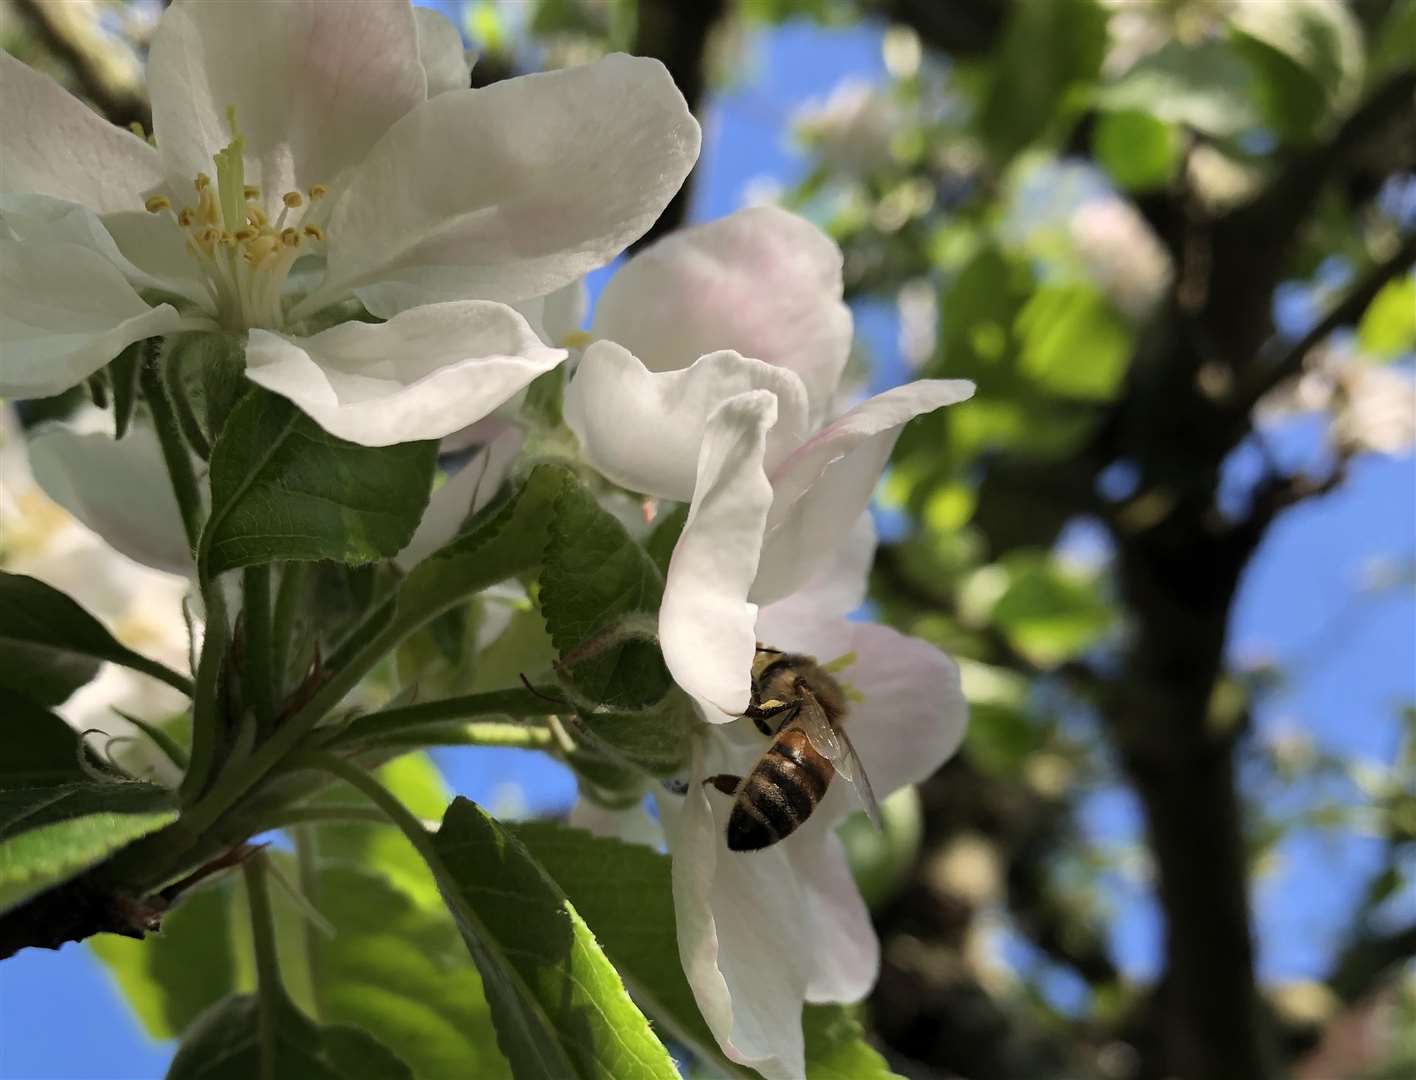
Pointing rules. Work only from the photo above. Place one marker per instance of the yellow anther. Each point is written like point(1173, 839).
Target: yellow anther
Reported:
point(203, 181)
point(261, 246)
point(292, 199)
point(249, 192)
point(227, 239)
point(184, 216)
point(256, 216)
point(248, 233)
point(318, 191)
point(137, 129)
point(209, 234)
point(157, 204)
point(576, 339)
point(290, 237)
point(314, 232)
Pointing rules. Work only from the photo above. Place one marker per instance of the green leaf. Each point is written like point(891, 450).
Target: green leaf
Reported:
point(655, 740)
point(1074, 344)
point(1307, 57)
point(1204, 86)
point(50, 834)
point(1138, 151)
point(559, 1006)
point(1047, 612)
point(1388, 326)
point(50, 646)
point(640, 939)
point(285, 489)
point(123, 374)
point(225, 1044)
point(595, 579)
point(1050, 54)
point(205, 376)
point(40, 749)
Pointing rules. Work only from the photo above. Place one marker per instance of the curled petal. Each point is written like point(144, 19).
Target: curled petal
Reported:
point(464, 493)
point(845, 969)
point(743, 943)
point(421, 375)
point(838, 588)
point(56, 145)
point(643, 429)
point(119, 489)
point(830, 478)
point(908, 713)
point(312, 86)
point(441, 52)
point(511, 191)
point(705, 621)
point(762, 281)
point(65, 311)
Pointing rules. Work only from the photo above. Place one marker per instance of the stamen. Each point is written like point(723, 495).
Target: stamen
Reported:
point(184, 217)
point(256, 216)
point(290, 237)
point(292, 199)
point(314, 232)
point(137, 129)
point(157, 204)
point(318, 191)
point(203, 181)
point(249, 192)
point(242, 235)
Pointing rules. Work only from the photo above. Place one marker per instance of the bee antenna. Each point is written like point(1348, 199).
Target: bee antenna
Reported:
point(543, 696)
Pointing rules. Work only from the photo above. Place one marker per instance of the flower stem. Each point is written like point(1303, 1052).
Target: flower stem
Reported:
point(259, 676)
point(207, 719)
point(307, 855)
point(533, 701)
point(485, 733)
point(268, 988)
point(174, 450)
point(288, 599)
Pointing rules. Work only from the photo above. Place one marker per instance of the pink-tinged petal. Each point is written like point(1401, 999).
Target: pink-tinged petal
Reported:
point(762, 282)
point(744, 946)
point(314, 86)
point(830, 478)
point(119, 489)
point(65, 311)
point(838, 588)
point(422, 375)
point(705, 622)
point(643, 429)
point(56, 145)
point(511, 191)
point(462, 494)
point(441, 52)
point(847, 966)
point(907, 715)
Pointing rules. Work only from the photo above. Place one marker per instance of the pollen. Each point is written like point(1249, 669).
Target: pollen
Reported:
point(250, 192)
point(318, 191)
point(203, 181)
point(157, 204)
point(314, 232)
point(292, 199)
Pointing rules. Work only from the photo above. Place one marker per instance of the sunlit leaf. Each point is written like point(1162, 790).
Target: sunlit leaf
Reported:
point(1137, 150)
point(1203, 86)
point(1388, 327)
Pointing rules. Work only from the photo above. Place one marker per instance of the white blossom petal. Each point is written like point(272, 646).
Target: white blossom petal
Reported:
point(441, 52)
point(631, 824)
point(848, 963)
point(56, 145)
point(314, 86)
point(65, 311)
point(705, 621)
point(465, 492)
point(422, 375)
point(744, 945)
point(830, 478)
point(643, 429)
point(908, 712)
point(118, 488)
point(511, 191)
point(839, 587)
point(762, 281)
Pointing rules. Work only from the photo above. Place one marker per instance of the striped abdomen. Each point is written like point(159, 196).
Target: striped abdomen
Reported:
point(780, 793)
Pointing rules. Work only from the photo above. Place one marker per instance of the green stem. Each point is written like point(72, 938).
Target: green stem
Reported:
point(207, 726)
point(485, 733)
point(174, 450)
point(268, 988)
point(533, 701)
point(336, 813)
point(259, 676)
point(307, 855)
point(288, 602)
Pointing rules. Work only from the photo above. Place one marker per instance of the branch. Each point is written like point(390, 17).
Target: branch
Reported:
point(677, 33)
point(1270, 371)
point(68, 32)
point(1368, 959)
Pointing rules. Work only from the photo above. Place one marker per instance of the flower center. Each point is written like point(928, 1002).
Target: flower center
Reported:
point(244, 257)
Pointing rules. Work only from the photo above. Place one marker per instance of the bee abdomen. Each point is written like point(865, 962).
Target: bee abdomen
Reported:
point(779, 794)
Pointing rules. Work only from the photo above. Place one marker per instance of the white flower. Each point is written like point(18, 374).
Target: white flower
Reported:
point(1121, 253)
point(346, 167)
point(853, 129)
point(738, 436)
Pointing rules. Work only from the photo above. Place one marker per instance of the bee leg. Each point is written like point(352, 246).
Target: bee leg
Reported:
point(760, 714)
point(727, 783)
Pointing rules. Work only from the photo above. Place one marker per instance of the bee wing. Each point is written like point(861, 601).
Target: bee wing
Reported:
point(832, 743)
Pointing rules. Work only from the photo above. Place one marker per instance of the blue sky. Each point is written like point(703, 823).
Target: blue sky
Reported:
point(60, 1019)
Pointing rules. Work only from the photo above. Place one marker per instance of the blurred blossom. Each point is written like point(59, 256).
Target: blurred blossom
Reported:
point(1121, 253)
point(853, 129)
point(918, 305)
point(1372, 409)
point(140, 606)
point(1136, 29)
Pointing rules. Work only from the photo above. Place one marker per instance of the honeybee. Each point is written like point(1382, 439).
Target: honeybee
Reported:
point(797, 702)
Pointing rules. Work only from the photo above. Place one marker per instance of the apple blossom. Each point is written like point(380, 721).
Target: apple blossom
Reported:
point(289, 185)
point(739, 437)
